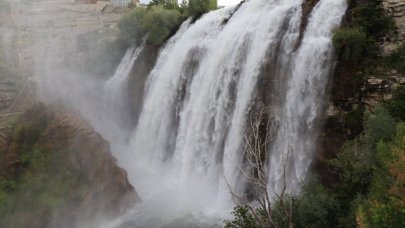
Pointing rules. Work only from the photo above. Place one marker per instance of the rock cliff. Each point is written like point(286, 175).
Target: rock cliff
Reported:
point(57, 172)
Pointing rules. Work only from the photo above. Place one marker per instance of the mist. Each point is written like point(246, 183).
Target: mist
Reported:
point(176, 116)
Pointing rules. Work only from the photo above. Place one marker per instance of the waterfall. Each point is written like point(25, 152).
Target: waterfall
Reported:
point(102, 102)
point(115, 90)
point(188, 145)
point(304, 99)
point(187, 150)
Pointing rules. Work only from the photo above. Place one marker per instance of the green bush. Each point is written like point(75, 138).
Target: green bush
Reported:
point(354, 121)
point(351, 43)
point(160, 24)
point(155, 22)
point(46, 185)
point(366, 21)
point(197, 8)
point(167, 4)
point(353, 166)
point(397, 59)
point(370, 15)
point(132, 26)
point(386, 199)
point(315, 207)
point(242, 218)
point(396, 106)
point(379, 126)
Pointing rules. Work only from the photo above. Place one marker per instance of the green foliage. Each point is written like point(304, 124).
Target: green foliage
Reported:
point(26, 135)
point(353, 165)
point(242, 218)
point(366, 22)
point(357, 167)
point(354, 120)
point(160, 24)
point(379, 126)
point(397, 59)
point(131, 26)
point(160, 19)
point(370, 15)
point(362, 193)
point(45, 186)
point(396, 106)
point(350, 43)
point(386, 200)
point(198, 7)
point(316, 207)
point(156, 22)
point(46, 182)
point(167, 4)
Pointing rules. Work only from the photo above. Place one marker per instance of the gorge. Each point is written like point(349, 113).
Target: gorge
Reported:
point(198, 97)
point(180, 116)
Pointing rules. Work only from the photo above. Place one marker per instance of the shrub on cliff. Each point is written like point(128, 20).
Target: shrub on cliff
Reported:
point(385, 205)
point(160, 19)
point(397, 59)
point(378, 126)
point(160, 24)
point(156, 23)
point(315, 207)
point(350, 43)
point(198, 7)
point(167, 4)
point(396, 106)
point(370, 15)
point(366, 21)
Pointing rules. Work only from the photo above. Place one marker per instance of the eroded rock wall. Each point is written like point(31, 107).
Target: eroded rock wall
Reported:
point(82, 184)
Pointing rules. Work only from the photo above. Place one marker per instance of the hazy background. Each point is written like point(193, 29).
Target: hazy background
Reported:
point(220, 2)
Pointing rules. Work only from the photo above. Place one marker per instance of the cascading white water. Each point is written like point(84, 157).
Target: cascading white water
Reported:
point(188, 144)
point(291, 153)
point(103, 103)
point(115, 89)
point(199, 95)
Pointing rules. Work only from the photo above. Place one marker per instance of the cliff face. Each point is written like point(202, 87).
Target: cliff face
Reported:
point(395, 9)
point(55, 171)
point(360, 86)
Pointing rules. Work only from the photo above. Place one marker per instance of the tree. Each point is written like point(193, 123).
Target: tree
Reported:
point(259, 212)
point(396, 106)
point(156, 23)
point(351, 43)
point(386, 201)
point(167, 4)
point(196, 8)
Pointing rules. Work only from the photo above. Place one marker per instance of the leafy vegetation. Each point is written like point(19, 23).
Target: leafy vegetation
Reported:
point(365, 23)
point(397, 59)
point(157, 23)
point(35, 182)
point(351, 43)
point(396, 106)
point(316, 207)
point(199, 7)
point(385, 205)
point(368, 190)
point(161, 19)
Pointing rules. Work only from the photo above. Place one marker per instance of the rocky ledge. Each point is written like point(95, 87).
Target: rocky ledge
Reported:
point(56, 171)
